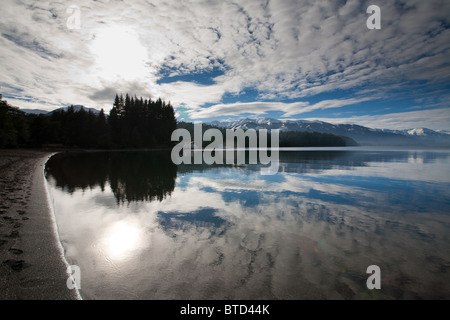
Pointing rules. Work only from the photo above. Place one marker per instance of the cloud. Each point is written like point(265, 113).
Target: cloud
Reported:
point(282, 50)
point(432, 118)
point(26, 41)
point(255, 108)
point(104, 94)
point(260, 108)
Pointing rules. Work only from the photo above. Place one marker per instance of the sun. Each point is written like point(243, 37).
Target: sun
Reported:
point(118, 53)
point(122, 239)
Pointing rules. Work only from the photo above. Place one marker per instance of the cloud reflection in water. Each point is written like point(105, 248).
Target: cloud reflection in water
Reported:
point(308, 233)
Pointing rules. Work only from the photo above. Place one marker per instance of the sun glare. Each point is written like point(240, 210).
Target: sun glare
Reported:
point(122, 239)
point(119, 53)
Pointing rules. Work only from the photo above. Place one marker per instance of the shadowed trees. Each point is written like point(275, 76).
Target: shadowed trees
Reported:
point(132, 123)
point(139, 123)
point(13, 127)
point(131, 175)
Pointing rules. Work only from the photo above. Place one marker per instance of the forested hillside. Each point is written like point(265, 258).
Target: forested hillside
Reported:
point(132, 123)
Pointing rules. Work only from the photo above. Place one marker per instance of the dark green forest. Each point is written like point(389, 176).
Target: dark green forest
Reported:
point(132, 123)
point(14, 127)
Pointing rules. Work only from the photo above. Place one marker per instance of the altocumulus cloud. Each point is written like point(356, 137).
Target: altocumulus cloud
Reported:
point(296, 57)
point(260, 108)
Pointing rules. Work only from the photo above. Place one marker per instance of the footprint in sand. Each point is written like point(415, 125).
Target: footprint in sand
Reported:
point(14, 234)
point(15, 251)
point(16, 265)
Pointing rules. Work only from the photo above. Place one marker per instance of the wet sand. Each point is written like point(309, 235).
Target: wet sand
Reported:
point(31, 259)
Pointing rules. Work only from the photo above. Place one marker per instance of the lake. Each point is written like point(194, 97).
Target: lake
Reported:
point(140, 227)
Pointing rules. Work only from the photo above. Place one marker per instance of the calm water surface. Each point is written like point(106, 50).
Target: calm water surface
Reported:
point(140, 227)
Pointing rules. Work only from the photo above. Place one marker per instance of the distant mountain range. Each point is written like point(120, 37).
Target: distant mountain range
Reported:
point(75, 107)
point(361, 134)
point(34, 111)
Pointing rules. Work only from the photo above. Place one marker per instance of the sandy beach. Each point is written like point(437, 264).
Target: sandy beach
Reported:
point(31, 260)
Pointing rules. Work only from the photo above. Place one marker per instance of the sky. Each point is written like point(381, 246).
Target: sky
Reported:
point(227, 60)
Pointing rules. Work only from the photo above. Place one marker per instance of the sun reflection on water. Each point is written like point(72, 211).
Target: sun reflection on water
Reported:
point(122, 238)
point(230, 233)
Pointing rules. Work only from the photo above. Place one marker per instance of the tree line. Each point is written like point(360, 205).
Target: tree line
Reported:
point(132, 123)
point(14, 129)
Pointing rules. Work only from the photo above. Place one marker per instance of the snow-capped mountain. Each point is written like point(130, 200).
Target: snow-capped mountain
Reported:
point(423, 132)
point(76, 108)
point(362, 135)
point(34, 111)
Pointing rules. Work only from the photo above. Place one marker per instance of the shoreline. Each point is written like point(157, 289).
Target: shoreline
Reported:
point(32, 264)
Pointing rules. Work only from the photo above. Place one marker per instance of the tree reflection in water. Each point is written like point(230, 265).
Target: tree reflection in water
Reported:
point(133, 176)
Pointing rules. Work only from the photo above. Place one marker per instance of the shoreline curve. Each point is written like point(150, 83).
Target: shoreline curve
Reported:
point(32, 262)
